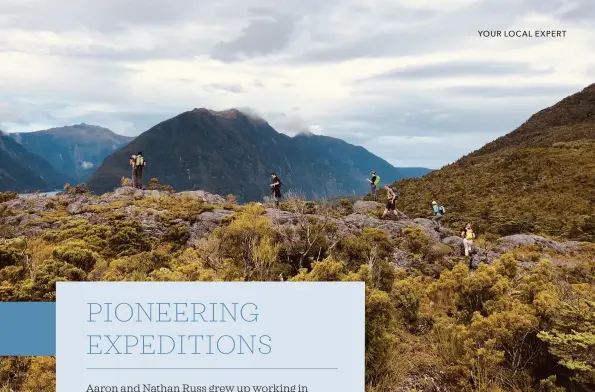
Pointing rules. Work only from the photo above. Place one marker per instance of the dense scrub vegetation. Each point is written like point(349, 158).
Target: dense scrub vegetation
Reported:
point(539, 178)
point(522, 323)
point(548, 190)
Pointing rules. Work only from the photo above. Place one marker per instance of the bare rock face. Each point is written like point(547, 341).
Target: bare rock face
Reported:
point(151, 222)
point(125, 191)
point(76, 207)
point(478, 256)
point(281, 218)
point(205, 196)
point(359, 222)
point(456, 243)
point(433, 231)
point(364, 207)
point(514, 241)
point(400, 258)
point(207, 222)
point(22, 219)
point(33, 203)
point(129, 193)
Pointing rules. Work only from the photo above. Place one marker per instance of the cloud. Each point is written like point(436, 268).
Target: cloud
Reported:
point(512, 92)
point(8, 113)
point(260, 37)
point(463, 69)
point(290, 124)
point(226, 87)
point(411, 81)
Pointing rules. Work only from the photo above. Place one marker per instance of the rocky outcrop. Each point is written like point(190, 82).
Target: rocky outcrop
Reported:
point(400, 258)
point(514, 241)
point(26, 214)
point(207, 222)
point(365, 207)
point(206, 196)
point(128, 192)
point(456, 243)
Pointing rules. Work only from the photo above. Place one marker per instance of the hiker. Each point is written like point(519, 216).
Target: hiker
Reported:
point(374, 181)
point(137, 170)
point(439, 212)
point(391, 194)
point(132, 162)
point(276, 188)
point(468, 237)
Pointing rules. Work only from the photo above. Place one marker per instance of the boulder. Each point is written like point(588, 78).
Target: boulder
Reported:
point(456, 243)
point(358, 222)
point(150, 221)
point(76, 208)
point(21, 219)
point(364, 207)
point(207, 222)
point(281, 218)
point(400, 258)
point(125, 191)
point(514, 241)
point(492, 256)
point(205, 196)
point(33, 203)
point(128, 193)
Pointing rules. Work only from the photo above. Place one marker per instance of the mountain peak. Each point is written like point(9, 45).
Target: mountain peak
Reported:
point(305, 133)
point(202, 149)
point(232, 113)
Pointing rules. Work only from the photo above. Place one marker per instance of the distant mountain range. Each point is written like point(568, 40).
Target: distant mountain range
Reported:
point(221, 152)
point(73, 150)
point(23, 171)
point(539, 178)
point(233, 152)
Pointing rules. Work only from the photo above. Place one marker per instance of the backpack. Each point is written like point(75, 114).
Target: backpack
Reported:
point(377, 180)
point(442, 210)
point(140, 161)
point(466, 233)
point(395, 190)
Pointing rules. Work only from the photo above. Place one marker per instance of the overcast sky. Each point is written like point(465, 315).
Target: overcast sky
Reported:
point(411, 81)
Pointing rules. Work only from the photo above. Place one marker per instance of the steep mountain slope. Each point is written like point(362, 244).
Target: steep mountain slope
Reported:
point(538, 178)
point(355, 160)
point(74, 150)
point(23, 171)
point(231, 152)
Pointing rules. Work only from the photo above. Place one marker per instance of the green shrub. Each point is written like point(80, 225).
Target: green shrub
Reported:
point(7, 196)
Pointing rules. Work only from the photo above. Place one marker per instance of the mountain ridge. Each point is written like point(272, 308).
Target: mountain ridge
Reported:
point(230, 151)
point(551, 124)
point(75, 150)
point(540, 177)
point(23, 171)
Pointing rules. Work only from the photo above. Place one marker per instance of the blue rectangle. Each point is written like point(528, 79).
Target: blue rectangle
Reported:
point(27, 328)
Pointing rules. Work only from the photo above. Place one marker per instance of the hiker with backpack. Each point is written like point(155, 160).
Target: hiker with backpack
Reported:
point(131, 162)
point(374, 181)
point(391, 194)
point(468, 237)
point(138, 163)
point(439, 212)
point(276, 188)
